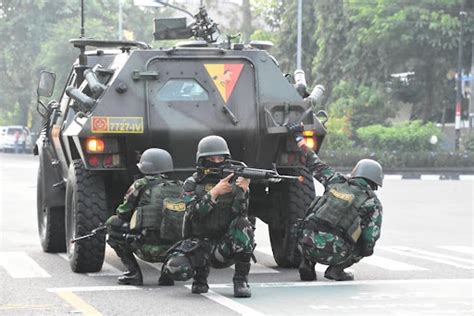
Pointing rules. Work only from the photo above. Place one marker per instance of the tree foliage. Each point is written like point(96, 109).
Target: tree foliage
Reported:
point(352, 47)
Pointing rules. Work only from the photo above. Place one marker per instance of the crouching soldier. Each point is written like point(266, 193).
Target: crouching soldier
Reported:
point(343, 225)
point(150, 218)
point(216, 226)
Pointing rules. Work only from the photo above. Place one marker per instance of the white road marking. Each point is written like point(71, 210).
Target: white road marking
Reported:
point(430, 256)
point(462, 249)
point(107, 269)
point(94, 288)
point(392, 177)
point(19, 265)
point(389, 264)
point(346, 283)
point(466, 177)
point(430, 177)
point(230, 303)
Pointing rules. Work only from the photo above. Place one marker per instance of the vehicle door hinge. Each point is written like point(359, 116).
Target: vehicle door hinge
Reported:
point(146, 75)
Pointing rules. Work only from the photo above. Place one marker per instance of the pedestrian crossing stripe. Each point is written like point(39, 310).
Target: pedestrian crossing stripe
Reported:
point(20, 266)
point(430, 256)
point(107, 269)
point(461, 249)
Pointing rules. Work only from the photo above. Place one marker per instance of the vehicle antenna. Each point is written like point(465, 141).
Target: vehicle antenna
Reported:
point(82, 19)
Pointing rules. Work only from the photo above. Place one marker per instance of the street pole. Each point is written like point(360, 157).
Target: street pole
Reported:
point(298, 38)
point(120, 33)
point(457, 121)
point(471, 104)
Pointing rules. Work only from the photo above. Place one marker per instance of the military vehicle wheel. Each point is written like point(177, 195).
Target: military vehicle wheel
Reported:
point(85, 210)
point(293, 200)
point(50, 221)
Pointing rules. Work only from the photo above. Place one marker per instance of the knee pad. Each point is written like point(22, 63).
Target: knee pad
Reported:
point(178, 267)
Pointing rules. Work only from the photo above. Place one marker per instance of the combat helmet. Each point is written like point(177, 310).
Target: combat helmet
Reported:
point(368, 169)
point(212, 146)
point(155, 160)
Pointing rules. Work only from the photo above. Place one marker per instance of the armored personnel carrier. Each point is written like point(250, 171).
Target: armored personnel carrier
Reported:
point(122, 97)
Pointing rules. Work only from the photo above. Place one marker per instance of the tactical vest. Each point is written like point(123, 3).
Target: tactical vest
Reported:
point(216, 223)
point(337, 210)
point(161, 212)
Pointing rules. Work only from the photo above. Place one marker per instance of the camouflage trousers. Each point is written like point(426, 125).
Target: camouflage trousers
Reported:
point(237, 244)
point(147, 248)
point(326, 248)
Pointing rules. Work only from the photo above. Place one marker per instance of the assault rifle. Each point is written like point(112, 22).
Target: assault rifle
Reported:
point(240, 169)
point(93, 232)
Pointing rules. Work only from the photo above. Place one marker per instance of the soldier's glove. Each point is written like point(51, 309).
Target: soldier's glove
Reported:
point(125, 216)
point(295, 127)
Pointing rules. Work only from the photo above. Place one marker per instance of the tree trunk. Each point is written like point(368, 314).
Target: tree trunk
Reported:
point(24, 102)
point(429, 77)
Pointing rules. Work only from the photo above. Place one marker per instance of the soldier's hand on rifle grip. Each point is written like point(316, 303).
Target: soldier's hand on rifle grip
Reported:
point(223, 187)
point(243, 183)
point(301, 142)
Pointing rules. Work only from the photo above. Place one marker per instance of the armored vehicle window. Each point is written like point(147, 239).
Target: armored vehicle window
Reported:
point(182, 90)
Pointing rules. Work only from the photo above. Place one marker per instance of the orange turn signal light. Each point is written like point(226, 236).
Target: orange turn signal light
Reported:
point(95, 145)
point(310, 142)
point(308, 133)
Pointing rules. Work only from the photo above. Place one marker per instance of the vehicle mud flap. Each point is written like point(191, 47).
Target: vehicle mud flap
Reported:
point(50, 221)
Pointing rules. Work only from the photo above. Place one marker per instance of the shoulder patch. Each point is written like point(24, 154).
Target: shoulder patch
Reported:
point(342, 195)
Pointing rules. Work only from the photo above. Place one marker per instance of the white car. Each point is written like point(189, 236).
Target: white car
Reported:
point(8, 135)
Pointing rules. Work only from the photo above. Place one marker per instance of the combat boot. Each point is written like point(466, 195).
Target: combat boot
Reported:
point(134, 275)
point(241, 284)
point(200, 281)
point(337, 273)
point(306, 270)
point(165, 280)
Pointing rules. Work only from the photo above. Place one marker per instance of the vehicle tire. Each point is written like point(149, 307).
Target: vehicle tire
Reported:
point(291, 202)
point(86, 209)
point(50, 221)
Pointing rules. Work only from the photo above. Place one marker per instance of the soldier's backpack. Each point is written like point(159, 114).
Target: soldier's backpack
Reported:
point(162, 218)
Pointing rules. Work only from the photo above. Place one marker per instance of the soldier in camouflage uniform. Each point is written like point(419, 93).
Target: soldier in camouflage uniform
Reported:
point(136, 226)
point(216, 226)
point(343, 225)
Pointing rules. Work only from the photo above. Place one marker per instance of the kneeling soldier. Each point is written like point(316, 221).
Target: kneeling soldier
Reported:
point(343, 225)
point(150, 218)
point(216, 226)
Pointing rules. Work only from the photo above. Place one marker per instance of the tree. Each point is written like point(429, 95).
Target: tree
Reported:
point(286, 40)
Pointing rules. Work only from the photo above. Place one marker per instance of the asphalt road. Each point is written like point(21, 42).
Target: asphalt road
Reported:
point(423, 264)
